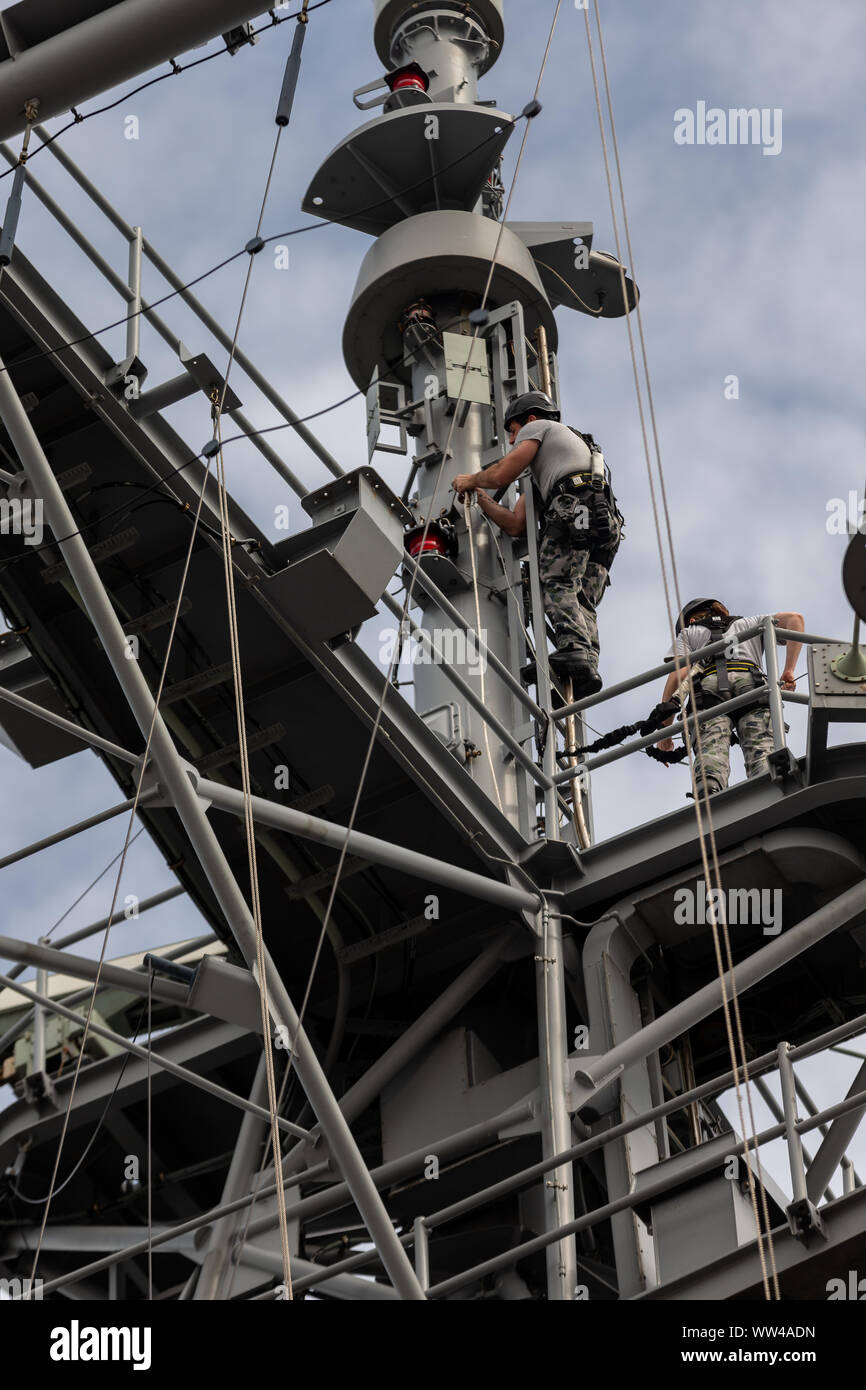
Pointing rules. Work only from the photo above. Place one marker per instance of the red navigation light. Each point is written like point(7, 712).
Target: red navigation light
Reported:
point(432, 544)
point(412, 76)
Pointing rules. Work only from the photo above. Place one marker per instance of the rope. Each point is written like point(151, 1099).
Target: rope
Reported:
point(246, 781)
point(149, 1135)
point(244, 250)
point(677, 665)
point(249, 829)
point(484, 729)
point(127, 841)
point(410, 589)
point(176, 69)
point(711, 831)
point(90, 887)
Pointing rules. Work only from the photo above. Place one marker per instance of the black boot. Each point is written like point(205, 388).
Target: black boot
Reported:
point(571, 663)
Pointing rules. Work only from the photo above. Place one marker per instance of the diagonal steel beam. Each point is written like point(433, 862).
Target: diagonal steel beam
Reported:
point(60, 835)
point(453, 1146)
point(154, 1058)
point(80, 968)
point(68, 726)
point(756, 967)
point(174, 775)
point(409, 861)
point(835, 1142)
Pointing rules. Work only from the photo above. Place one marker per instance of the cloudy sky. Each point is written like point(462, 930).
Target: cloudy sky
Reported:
point(749, 265)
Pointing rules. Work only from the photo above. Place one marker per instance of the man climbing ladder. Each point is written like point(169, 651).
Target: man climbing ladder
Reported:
point(581, 526)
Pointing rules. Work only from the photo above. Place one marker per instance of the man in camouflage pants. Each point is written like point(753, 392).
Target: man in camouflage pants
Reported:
point(704, 621)
point(580, 526)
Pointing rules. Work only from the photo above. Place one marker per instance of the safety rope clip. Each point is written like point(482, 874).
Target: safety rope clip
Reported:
point(255, 245)
point(211, 448)
point(531, 110)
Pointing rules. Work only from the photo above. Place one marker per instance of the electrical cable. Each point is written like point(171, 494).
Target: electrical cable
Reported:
point(677, 666)
point(132, 814)
point(530, 110)
point(176, 70)
point(258, 243)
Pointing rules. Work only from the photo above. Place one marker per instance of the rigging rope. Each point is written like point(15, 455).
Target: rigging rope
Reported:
point(733, 1047)
point(446, 454)
point(485, 732)
point(127, 841)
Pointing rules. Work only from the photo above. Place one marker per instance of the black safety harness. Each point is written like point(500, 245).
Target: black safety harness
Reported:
point(704, 699)
point(592, 489)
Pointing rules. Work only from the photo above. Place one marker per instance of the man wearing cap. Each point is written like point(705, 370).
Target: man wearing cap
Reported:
point(581, 527)
point(723, 676)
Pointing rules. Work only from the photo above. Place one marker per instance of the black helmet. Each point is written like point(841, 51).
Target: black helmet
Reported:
point(694, 606)
point(531, 403)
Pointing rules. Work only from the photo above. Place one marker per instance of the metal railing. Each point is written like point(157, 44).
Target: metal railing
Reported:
point(548, 722)
point(790, 1128)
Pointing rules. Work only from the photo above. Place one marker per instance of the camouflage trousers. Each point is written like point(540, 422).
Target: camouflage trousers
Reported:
point(572, 583)
point(754, 731)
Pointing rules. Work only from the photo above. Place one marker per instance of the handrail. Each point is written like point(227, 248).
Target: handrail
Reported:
point(515, 1181)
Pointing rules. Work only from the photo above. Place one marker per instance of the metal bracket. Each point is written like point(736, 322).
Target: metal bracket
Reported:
point(783, 765)
point(379, 413)
point(804, 1220)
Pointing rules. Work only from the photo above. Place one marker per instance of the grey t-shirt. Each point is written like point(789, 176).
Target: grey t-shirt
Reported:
point(697, 636)
point(560, 453)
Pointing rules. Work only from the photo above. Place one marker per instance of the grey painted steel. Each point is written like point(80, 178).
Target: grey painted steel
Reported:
point(39, 712)
point(739, 1274)
point(239, 1179)
point(558, 1189)
point(177, 284)
point(812, 1108)
point(523, 1179)
point(341, 1286)
point(453, 1146)
point(290, 77)
point(144, 906)
point(23, 1024)
point(705, 1001)
point(60, 835)
point(108, 49)
point(133, 328)
point(778, 1113)
point(481, 647)
point(835, 1142)
point(95, 927)
point(649, 1190)
point(174, 773)
point(654, 673)
point(32, 953)
point(368, 847)
point(542, 673)
point(389, 14)
point(772, 661)
point(421, 1243)
point(429, 255)
point(789, 1105)
point(751, 697)
point(155, 1058)
point(428, 1024)
point(452, 678)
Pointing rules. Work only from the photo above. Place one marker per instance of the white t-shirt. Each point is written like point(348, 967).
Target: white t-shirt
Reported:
point(691, 639)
